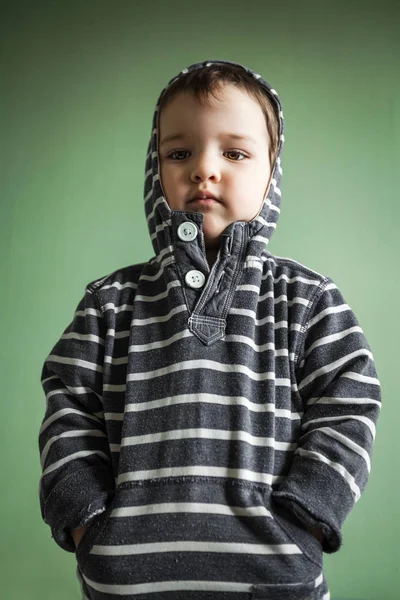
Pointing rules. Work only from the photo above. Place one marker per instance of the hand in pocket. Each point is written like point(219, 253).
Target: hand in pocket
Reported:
point(78, 533)
point(317, 533)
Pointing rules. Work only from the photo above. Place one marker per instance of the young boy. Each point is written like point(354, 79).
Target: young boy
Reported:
point(210, 413)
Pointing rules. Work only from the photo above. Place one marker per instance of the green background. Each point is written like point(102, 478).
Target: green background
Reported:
point(79, 86)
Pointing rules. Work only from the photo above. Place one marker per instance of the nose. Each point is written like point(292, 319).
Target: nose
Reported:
point(205, 168)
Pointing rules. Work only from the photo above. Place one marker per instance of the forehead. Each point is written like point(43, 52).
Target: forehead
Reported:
point(233, 110)
point(223, 99)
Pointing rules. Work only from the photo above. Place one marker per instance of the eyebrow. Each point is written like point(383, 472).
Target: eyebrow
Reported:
point(235, 136)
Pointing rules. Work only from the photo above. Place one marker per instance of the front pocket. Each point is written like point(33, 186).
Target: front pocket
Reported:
point(302, 591)
point(195, 533)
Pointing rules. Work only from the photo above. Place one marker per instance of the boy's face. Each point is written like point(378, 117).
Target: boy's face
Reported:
point(206, 158)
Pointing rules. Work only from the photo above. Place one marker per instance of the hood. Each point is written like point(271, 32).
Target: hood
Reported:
point(160, 217)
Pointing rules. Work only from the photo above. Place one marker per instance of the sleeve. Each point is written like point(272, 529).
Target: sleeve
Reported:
point(77, 479)
point(337, 382)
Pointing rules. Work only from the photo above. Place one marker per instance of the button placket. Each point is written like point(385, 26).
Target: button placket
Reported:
point(187, 232)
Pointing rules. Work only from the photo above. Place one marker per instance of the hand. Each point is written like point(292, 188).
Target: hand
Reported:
point(317, 533)
point(78, 533)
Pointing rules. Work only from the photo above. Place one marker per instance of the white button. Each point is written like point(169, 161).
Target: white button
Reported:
point(187, 231)
point(195, 279)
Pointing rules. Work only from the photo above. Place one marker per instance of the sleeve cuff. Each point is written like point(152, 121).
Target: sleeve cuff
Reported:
point(317, 497)
point(75, 499)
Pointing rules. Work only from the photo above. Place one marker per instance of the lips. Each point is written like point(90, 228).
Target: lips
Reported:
point(204, 196)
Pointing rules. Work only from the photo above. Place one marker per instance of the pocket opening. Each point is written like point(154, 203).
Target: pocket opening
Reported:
point(92, 534)
point(297, 532)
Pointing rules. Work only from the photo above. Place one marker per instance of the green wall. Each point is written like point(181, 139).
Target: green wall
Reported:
point(79, 84)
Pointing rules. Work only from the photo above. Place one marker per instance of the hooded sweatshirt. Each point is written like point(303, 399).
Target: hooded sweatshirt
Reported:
point(200, 420)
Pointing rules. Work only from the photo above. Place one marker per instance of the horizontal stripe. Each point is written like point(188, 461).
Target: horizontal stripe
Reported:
point(347, 417)
point(160, 319)
point(160, 296)
point(193, 546)
point(339, 401)
point(117, 308)
point(75, 456)
point(117, 285)
point(191, 507)
point(331, 310)
point(206, 364)
point(244, 312)
point(336, 435)
point(252, 264)
point(296, 279)
point(266, 223)
point(187, 334)
point(361, 378)
point(67, 411)
point(160, 344)
point(338, 467)
point(168, 586)
point(328, 339)
point(261, 238)
point(160, 229)
point(157, 202)
point(268, 202)
point(86, 312)
point(208, 399)
point(261, 298)
point(72, 390)
point(333, 365)
point(210, 434)
point(69, 434)
point(83, 337)
point(75, 362)
point(47, 379)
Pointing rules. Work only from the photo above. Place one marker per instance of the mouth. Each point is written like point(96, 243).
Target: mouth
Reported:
point(204, 198)
point(204, 201)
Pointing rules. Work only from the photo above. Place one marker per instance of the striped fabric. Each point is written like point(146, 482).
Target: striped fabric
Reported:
point(202, 430)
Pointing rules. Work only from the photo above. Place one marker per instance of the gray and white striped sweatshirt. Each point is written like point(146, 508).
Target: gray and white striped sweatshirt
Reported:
point(201, 427)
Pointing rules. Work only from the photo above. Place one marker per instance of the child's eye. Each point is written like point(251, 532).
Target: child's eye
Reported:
point(229, 152)
point(237, 152)
point(176, 152)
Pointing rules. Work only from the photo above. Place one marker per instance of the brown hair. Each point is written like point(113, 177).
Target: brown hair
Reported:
point(206, 81)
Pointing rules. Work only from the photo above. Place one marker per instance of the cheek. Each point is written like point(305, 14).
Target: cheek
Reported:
point(170, 186)
point(168, 175)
